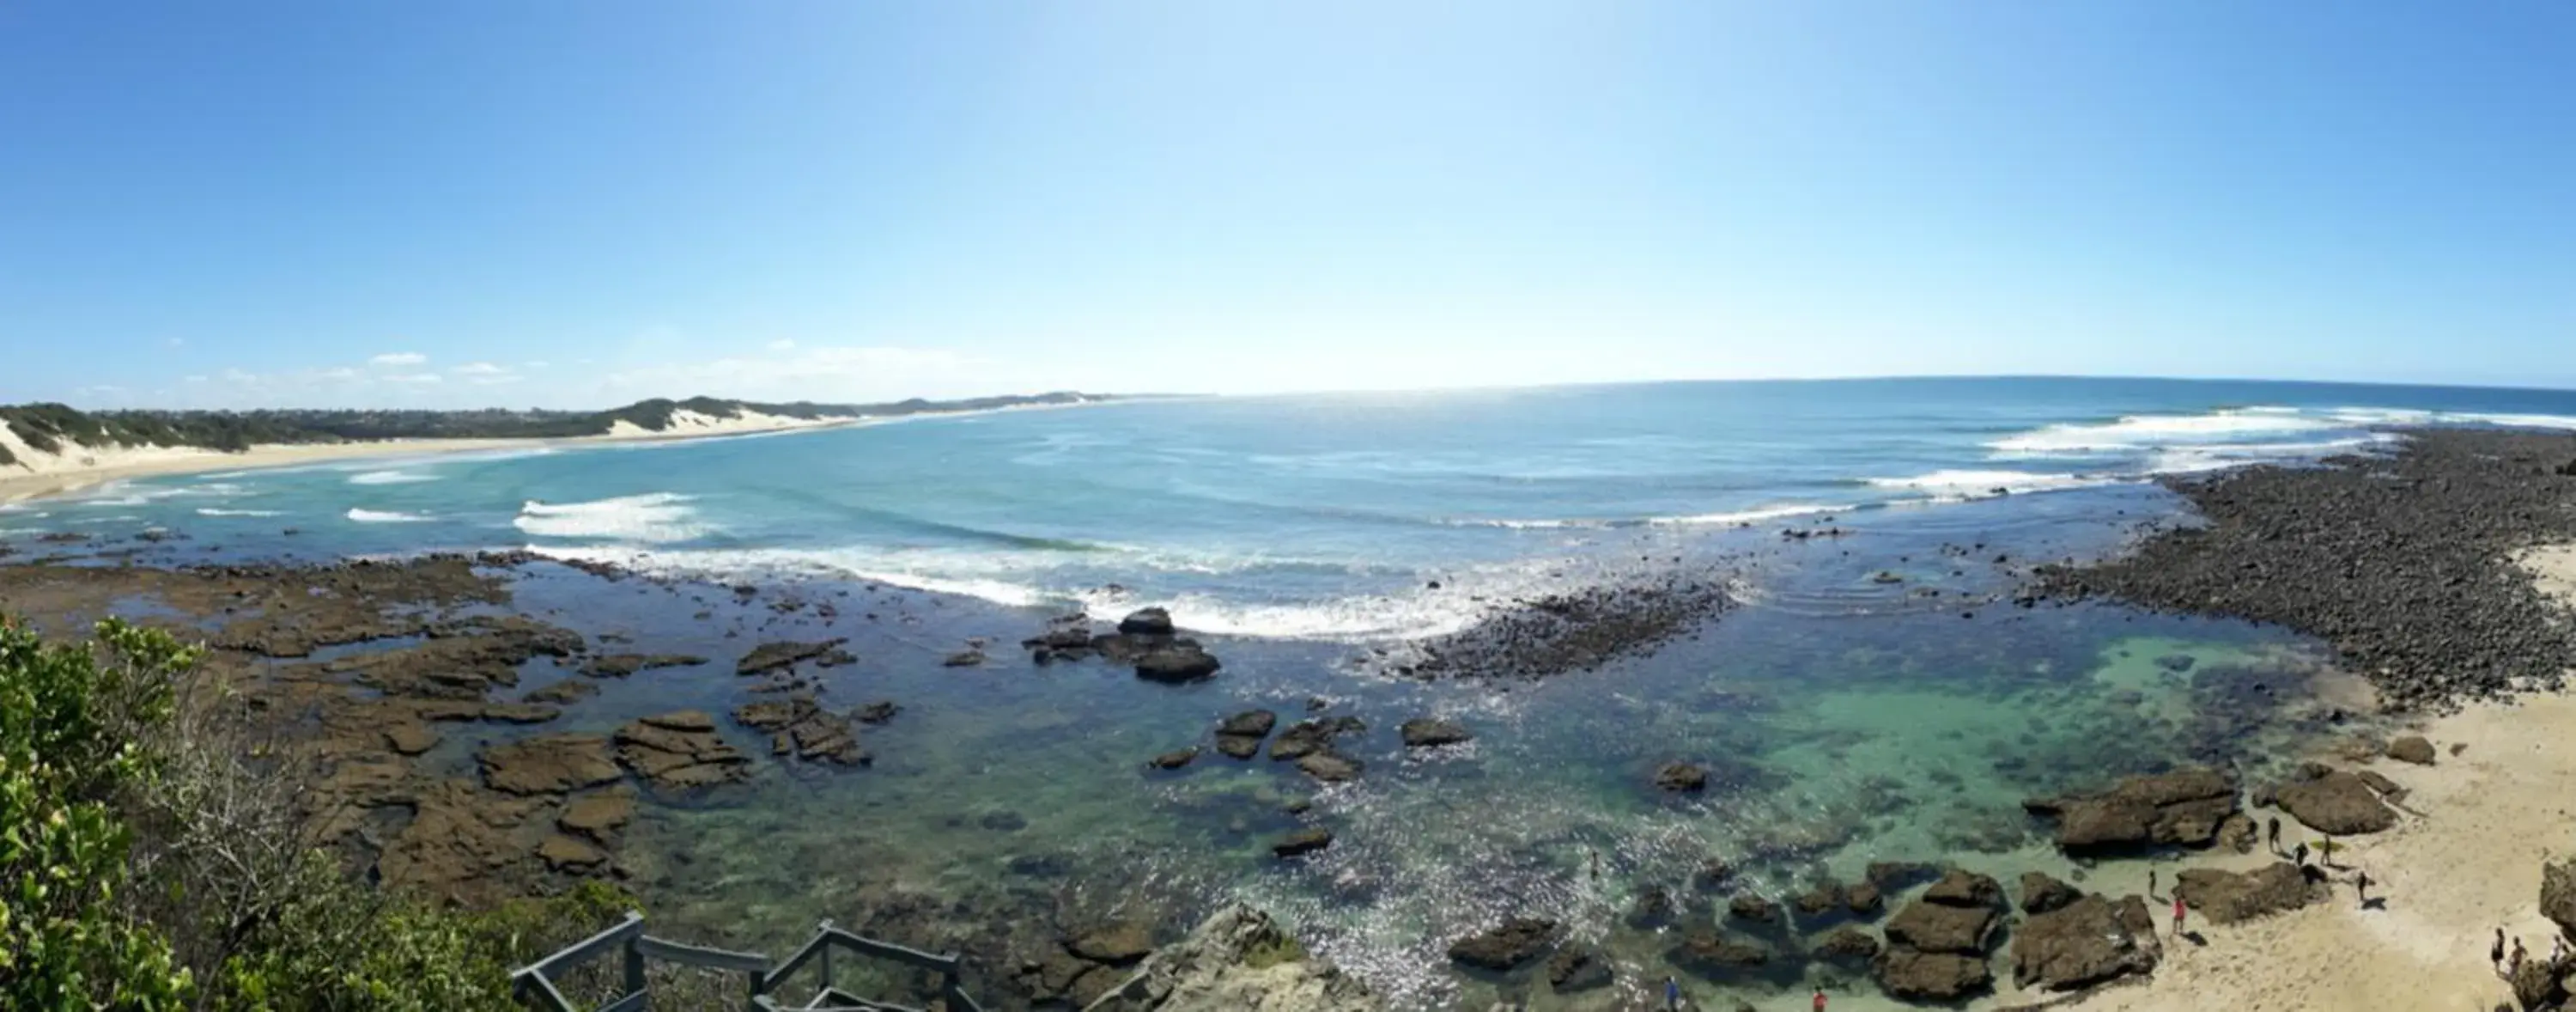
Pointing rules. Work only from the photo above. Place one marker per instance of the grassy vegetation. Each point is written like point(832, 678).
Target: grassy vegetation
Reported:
point(149, 862)
point(55, 428)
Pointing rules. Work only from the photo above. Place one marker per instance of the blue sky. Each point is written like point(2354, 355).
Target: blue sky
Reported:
point(585, 202)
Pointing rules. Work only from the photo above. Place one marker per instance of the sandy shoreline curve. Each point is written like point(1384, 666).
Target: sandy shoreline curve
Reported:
point(37, 474)
point(2465, 861)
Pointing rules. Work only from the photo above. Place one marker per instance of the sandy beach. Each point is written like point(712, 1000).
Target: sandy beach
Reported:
point(36, 473)
point(2465, 861)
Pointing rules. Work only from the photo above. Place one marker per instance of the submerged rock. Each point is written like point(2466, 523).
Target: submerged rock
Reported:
point(2338, 803)
point(678, 751)
point(1753, 907)
point(2183, 807)
point(1505, 945)
point(1253, 724)
point(622, 665)
point(1707, 953)
point(782, 655)
point(1681, 777)
point(1578, 968)
point(1146, 622)
point(1314, 734)
point(1330, 767)
point(1848, 944)
point(1174, 759)
point(1303, 841)
point(1238, 960)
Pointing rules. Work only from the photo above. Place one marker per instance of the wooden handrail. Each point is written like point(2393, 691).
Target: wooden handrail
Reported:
point(535, 982)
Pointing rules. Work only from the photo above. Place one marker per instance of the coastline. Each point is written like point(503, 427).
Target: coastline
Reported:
point(37, 475)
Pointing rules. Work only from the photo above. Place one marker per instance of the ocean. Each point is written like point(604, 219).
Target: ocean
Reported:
point(1877, 695)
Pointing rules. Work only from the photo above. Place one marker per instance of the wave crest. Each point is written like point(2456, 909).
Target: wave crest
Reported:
point(653, 518)
point(366, 516)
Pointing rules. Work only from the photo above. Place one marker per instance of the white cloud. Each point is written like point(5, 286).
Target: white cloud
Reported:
point(782, 344)
point(480, 369)
point(397, 358)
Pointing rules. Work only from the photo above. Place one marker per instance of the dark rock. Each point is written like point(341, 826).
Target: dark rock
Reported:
point(1713, 874)
point(1314, 734)
point(1238, 746)
point(1962, 888)
point(1653, 909)
point(2237, 833)
point(963, 659)
point(1426, 732)
point(599, 816)
point(2558, 894)
point(2080, 944)
point(1863, 899)
point(680, 751)
point(2338, 804)
point(2538, 986)
point(1897, 875)
point(1174, 759)
point(1303, 841)
point(566, 692)
point(782, 655)
point(1847, 944)
point(2228, 897)
point(2041, 894)
point(1578, 968)
point(1681, 777)
point(877, 712)
point(2411, 749)
point(1146, 622)
point(801, 727)
point(1253, 724)
point(1114, 944)
point(2388, 789)
point(1705, 952)
point(1506, 945)
point(1942, 927)
point(1753, 907)
point(548, 764)
point(2176, 663)
point(622, 665)
point(1577, 630)
point(1825, 897)
point(1914, 975)
point(1177, 664)
point(568, 854)
point(2182, 807)
point(1330, 767)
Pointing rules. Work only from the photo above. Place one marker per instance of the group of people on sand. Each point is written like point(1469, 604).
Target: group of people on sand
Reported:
point(2507, 968)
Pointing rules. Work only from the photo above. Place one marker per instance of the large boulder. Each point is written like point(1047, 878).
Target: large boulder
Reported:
point(1314, 734)
point(1578, 968)
point(1849, 944)
point(2083, 943)
point(2538, 986)
point(1505, 945)
point(1146, 622)
point(2183, 807)
point(2412, 749)
point(2226, 897)
point(1705, 952)
point(1238, 960)
point(1179, 662)
point(2337, 803)
point(1962, 888)
point(1914, 975)
point(1681, 777)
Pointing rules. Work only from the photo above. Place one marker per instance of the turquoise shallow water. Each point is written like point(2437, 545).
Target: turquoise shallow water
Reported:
point(1849, 719)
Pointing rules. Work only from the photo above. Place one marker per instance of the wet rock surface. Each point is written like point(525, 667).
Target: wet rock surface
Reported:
point(2041, 893)
point(680, 751)
point(799, 726)
point(2179, 808)
point(1915, 975)
point(784, 655)
point(622, 665)
point(549, 764)
point(1558, 634)
point(1578, 968)
point(2401, 563)
point(1426, 732)
point(2412, 749)
point(1505, 945)
point(1314, 734)
point(1238, 960)
point(1681, 777)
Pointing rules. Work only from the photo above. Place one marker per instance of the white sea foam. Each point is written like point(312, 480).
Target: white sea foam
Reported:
point(396, 477)
point(2147, 432)
point(366, 516)
point(1687, 520)
point(1973, 484)
point(655, 518)
point(213, 511)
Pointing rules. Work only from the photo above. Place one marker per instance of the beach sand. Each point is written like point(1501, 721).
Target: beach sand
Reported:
point(2465, 862)
point(36, 473)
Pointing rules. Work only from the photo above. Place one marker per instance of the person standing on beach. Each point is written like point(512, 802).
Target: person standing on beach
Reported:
point(1672, 994)
point(2272, 833)
point(2151, 883)
point(2300, 854)
point(1820, 1000)
point(2361, 885)
point(2515, 969)
point(2495, 953)
point(2178, 916)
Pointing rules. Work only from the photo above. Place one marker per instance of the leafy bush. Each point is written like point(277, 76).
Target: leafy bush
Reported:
point(147, 863)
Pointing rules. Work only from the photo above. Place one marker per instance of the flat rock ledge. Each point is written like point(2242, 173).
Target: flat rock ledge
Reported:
point(2182, 808)
point(1238, 960)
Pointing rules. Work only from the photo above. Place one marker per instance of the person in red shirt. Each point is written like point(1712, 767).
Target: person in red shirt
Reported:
point(2178, 914)
point(1820, 1000)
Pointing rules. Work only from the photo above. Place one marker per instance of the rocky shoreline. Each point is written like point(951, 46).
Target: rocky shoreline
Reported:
point(2404, 563)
